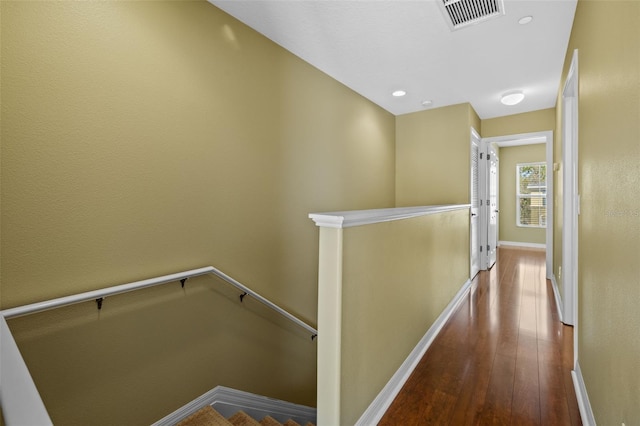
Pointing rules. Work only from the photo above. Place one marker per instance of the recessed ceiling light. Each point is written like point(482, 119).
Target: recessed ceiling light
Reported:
point(399, 93)
point(427, 103)
point(512, 98)
point(525, 20)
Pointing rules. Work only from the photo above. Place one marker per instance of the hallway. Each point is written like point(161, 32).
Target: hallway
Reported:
point(502, 358)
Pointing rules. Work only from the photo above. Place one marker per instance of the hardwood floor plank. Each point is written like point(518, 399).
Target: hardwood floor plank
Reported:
point(525, 408)
point(497, 406)
point(472, 397)
point(554, 407)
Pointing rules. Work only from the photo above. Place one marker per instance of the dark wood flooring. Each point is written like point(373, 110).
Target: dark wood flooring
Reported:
point(502, 358)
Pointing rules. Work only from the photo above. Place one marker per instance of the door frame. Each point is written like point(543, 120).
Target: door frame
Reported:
point(571, 198)
point(545, 137)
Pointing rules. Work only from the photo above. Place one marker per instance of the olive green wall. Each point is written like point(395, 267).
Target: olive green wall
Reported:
point(607, 35)
point(145, 138)
point(147, 353)
point(433, 156)
point(384, 277)
point(414, 266)
point(509, 158)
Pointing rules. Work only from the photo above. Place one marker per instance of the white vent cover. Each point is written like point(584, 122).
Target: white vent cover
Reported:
point(461, 13)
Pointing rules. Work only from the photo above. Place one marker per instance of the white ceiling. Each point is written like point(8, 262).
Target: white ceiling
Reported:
point(378, 46)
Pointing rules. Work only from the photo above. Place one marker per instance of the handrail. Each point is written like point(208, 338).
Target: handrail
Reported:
point(21, 403)
point(101, 293)
point(265, 301)
point(151, 282)
point(137, 285)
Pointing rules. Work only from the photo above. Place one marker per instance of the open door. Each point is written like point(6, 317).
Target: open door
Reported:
point(492, 205)
point(474, 238)
point(488, 209)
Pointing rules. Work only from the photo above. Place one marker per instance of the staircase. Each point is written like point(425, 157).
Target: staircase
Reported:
point(223, 406)
point(207, 416)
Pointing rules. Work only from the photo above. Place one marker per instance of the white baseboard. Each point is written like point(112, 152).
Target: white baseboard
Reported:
point(521, 244)
point(381, 403)
point(556, 294)
point(229, 401)
point(583, 399)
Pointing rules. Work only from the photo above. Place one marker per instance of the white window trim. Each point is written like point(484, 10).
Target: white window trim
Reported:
point(520, 196)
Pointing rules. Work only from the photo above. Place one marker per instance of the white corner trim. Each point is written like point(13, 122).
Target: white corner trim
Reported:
point(346, 219)
point(383, 400)
point(19, 397)
point(586, 414)
point(521, 244)
point(228, 401)
point(556, 294)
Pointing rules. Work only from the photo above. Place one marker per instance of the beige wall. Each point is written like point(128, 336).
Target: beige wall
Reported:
point(415, 267)
point(509, 158)
point(607, 35)
point(528, 122)
point(433, 156)
point(389, 276)
point(145, 138)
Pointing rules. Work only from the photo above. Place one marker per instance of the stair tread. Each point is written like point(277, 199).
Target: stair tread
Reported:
point(243, 419)
point(206, 416)
point(270, 421)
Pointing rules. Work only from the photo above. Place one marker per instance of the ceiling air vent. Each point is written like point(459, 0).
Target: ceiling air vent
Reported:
point(461, 13)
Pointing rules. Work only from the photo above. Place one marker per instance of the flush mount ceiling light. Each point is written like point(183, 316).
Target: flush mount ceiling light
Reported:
point(399, 93)
point(426, 103)
point(525, 20)
point(512, 98)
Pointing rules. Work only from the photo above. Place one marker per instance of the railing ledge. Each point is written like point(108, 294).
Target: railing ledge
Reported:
point(346, 219)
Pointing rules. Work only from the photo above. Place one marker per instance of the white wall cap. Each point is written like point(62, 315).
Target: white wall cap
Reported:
point(346, 219)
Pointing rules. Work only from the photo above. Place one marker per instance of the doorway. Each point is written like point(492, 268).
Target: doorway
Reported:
point(546, 138)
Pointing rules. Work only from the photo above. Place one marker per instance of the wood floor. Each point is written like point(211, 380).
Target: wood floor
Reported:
point(503, 357)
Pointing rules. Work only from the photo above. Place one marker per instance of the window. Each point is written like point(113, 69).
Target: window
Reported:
point(531, 195)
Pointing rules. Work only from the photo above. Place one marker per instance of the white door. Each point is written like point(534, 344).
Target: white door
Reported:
point(492, 206)
point(475, 205)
